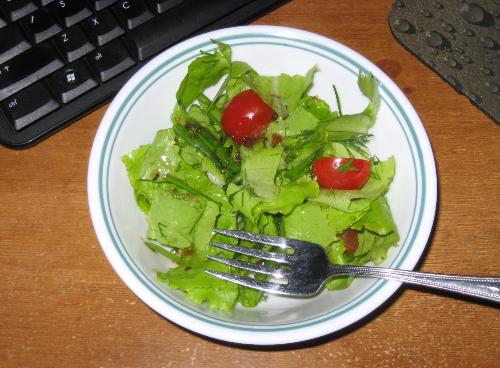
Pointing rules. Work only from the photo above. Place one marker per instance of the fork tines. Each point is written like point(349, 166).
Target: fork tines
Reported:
point(257, 253)
point(276, 272)
point(267, 286)
point(275, 241)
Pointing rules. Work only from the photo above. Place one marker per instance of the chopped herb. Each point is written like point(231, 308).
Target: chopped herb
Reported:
point(337, 98)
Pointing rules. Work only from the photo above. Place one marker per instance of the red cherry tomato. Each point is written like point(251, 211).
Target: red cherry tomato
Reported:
point(341, 173)
point(350, 238)
point(246, 117)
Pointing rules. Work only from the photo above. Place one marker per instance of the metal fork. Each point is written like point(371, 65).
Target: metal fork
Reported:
point(304, 271)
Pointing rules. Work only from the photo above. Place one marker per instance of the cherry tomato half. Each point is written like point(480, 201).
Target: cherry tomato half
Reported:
point(341, 173)
point(246, 117)
point(350, 238)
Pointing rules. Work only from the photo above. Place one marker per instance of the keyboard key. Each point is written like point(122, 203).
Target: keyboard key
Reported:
point(70, 12)
point(40, 25)
point(101, 4)
point(73, 43)
point(16, 9)
point(29, 105)
point(102, 27)
point(27, 68)
point(44, 2)
point(110, 60)
point(170, 27)
point(161, 6)
point(132, 13)
point(13, 42)
point(70, 82)
point(3, 23)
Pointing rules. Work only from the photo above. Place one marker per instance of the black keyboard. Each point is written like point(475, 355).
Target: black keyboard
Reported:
point(61, 59)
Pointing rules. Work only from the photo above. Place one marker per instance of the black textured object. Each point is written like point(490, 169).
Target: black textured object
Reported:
point(458, 39)
point(81, 66)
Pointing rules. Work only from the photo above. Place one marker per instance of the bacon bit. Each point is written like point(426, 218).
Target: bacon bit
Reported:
point(187, 252)
point(350, 237)
point(249, 142)
point(195, 128)
point(276, 139)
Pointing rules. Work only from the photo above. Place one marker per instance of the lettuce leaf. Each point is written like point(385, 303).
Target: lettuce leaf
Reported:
point(203, 72)
point(259, 170)
point(318, 107)
point(284, 92)
point(289, 196)
point(309, 222)
point(172, 218)
point(200, 287)
point(300, 120)
point(365, 120)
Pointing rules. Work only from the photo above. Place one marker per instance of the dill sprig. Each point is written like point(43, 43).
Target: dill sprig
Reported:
point(347, 166)
point(353, 142)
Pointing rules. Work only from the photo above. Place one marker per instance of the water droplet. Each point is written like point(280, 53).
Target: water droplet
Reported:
point(487, 42)
point(448, 27)
point(485, 70)
point(453, 63)
point(402, 25)
point(493, 87)
point(434, 39)
point(473, 13)
point(467, 32)
point(437, 5)
point(476, 98)
point(466, 58)
point(426, 13)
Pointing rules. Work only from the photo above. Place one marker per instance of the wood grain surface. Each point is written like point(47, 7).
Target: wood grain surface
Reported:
point(61, 304)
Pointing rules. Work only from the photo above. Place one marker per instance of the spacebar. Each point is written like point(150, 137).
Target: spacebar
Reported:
point(178, 23)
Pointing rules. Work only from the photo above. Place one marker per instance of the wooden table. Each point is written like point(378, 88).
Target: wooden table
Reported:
point(61, 304)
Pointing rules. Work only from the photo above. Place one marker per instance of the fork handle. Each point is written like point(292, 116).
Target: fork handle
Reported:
point(482, 287)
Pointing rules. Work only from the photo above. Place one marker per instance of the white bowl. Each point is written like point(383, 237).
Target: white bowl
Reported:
point(144, 105)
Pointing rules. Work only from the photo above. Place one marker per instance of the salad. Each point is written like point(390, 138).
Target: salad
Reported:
point(261, 155)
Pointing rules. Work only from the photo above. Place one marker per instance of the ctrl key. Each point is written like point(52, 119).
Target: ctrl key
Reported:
point(29, 105)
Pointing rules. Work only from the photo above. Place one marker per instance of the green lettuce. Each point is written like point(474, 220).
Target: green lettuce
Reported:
point(284, 92)
point(203, 72)
point(193, 178)
point(259, 171)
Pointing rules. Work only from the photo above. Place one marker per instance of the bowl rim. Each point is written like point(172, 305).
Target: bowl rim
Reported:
point(241, 333)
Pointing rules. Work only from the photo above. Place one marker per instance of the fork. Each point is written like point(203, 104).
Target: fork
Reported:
point(304, 268)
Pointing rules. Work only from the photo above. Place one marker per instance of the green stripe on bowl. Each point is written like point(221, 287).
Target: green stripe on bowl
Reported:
point(241, 40)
